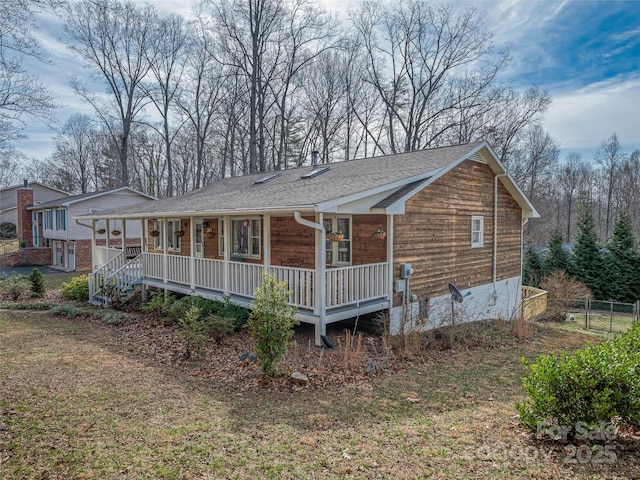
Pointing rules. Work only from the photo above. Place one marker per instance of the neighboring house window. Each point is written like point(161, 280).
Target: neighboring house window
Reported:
point(173, 243)
point(34, 229)
point(157, 241)
point(48, 220)
point(339, 253)
point(61, 219)
point(477, 229)
point(245, 237)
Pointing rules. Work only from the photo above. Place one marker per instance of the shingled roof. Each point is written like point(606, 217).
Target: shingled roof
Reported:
point(375, 177)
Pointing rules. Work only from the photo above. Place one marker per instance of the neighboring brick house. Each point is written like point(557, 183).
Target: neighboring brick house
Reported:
point(9, 198)
point(49, 226)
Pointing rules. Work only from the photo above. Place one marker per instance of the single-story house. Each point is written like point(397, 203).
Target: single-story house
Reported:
point(9, 198)
point(355, 237)
point(45, 231)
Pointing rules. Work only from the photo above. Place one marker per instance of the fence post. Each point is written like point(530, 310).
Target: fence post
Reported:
point(586, 313)
point(611, 317)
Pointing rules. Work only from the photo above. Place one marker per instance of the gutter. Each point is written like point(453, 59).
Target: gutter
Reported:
point(321, 291)
point(495, 236)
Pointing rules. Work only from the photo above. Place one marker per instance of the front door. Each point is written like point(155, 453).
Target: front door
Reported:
point(58, 257)
point(70, 260)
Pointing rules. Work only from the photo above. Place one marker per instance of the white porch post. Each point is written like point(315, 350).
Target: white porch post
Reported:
point(108, 241)
point(165, 259)
point(321, 294)
point(124, 234)
point(390, 273)
point(143, 236)
point(266, 240)
point(144, 246)
point(192, 257)
point(93, 244)
point(227, 253)
point(320, 287)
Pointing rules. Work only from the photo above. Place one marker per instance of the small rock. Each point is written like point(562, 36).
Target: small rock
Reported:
point(248, 357)
point(413, 400)
point(299, 378)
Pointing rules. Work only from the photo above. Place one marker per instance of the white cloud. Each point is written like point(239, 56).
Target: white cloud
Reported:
point(581, 119)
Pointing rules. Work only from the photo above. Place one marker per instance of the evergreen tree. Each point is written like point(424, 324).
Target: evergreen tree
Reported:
point(623, 261)
point(588, 264)
point(557, 258)
point(532, 268)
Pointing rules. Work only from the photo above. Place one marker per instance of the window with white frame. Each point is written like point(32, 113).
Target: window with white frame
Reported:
point(245, 237)
point(34, 229)
point(338, 253)
point(157, 240)
point(477, 229)
point(48, 220)
point(199, 238)
point(221, 241)
point(61, 219)
point(174, 242)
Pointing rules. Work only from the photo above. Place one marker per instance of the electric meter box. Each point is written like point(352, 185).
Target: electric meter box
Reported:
point(405, 270)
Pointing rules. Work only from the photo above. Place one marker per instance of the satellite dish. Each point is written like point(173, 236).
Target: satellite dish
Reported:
point(455, 293)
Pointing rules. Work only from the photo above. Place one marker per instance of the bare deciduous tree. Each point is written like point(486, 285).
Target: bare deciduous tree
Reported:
point(609, 157)
point(417, 52)
point(113, 37)
point(75, 152)
point(167, 53)
point(21, 94)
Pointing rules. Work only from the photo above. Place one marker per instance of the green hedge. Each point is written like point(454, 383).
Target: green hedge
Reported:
point(597, 385)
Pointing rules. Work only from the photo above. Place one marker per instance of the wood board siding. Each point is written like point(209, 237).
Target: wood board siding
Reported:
point(293, 241)
point(434, 234)
point(367, 249)
point(289, 240)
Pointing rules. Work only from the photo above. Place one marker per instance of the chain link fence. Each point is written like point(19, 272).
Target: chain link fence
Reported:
point(601, 315)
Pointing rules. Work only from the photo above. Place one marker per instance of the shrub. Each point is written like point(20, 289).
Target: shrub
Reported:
point(8, 230)
point(28, 305)
point(595, 385)
point(112, 317)
point(192, 331)
point(227, 309)
point(563, 292)
point(70, 311)
point(174, 311)
point(158, 303)
point(77, 288)
point(219, 326)
point(271, 322)
point(14, 287)
point(37, 283)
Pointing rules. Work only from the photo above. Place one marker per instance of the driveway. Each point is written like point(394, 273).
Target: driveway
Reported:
point(7, 271)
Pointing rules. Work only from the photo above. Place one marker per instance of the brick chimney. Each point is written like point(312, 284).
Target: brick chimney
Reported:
point(24, 227)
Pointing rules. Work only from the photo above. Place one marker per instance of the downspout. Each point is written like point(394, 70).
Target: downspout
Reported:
point(495, 237)
point(321, 255)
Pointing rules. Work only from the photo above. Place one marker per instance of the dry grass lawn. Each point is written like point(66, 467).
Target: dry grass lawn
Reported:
point(75, 403)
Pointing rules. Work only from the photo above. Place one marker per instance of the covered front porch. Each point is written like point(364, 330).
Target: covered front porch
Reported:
point(330, 279)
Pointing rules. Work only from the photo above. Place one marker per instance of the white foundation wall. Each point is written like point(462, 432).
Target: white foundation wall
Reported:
point(479, 303)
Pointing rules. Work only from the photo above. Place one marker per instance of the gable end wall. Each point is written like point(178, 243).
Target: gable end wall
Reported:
point(434, 234)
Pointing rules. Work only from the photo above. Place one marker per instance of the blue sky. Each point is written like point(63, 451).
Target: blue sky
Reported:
point(586, 53)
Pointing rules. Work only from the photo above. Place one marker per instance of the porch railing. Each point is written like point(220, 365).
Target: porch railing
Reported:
point(105, 254)
point(301, 281)
point(345, 285)
point(355, 284)
point(209, 273)
point(152, 265)
point(98, 278)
